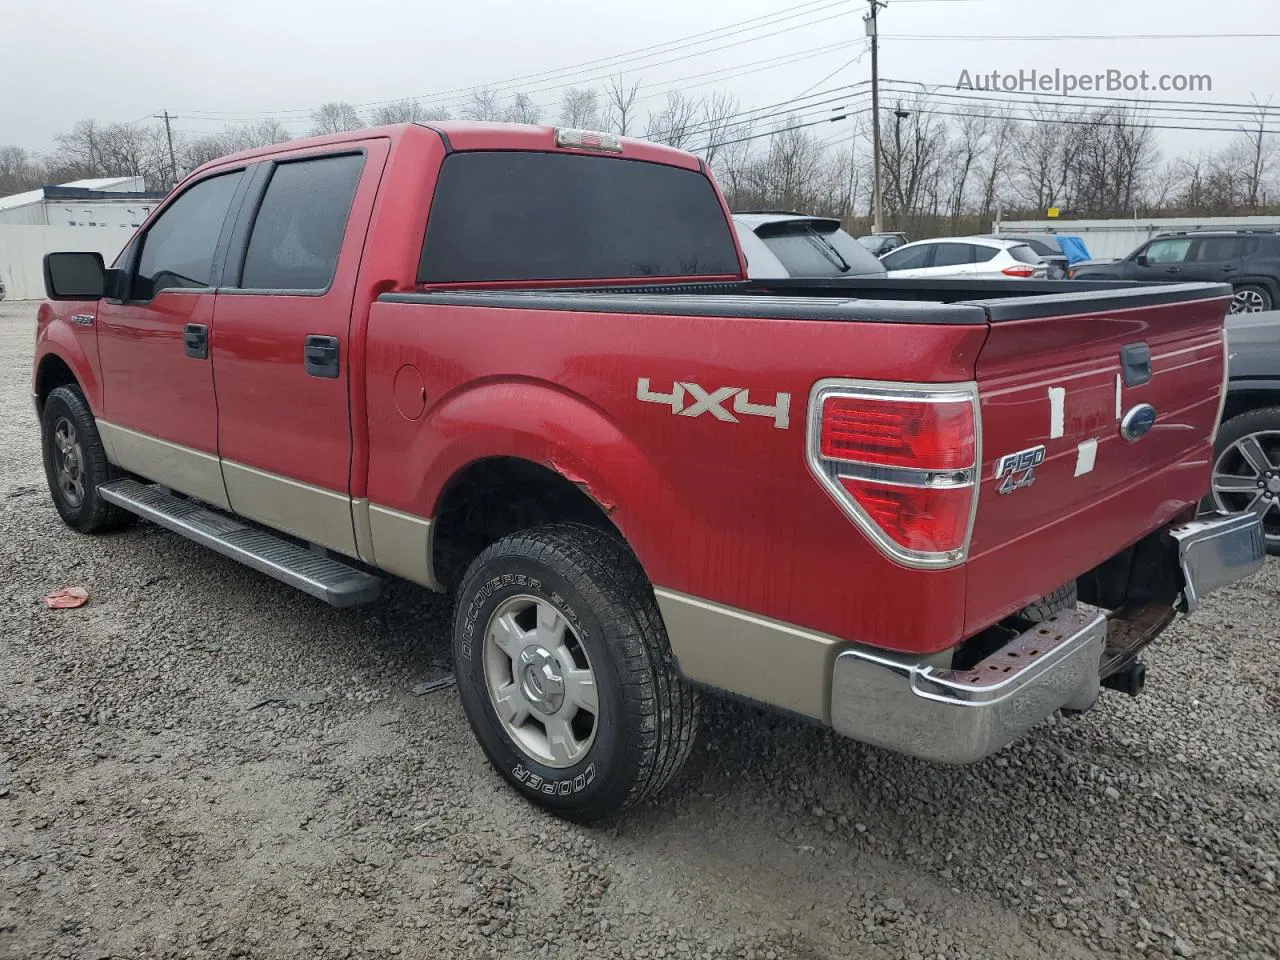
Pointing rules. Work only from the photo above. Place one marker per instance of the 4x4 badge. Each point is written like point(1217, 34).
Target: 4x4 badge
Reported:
point(1018, 470)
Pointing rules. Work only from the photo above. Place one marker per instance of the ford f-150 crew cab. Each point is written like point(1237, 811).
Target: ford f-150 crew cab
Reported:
point(525, 365)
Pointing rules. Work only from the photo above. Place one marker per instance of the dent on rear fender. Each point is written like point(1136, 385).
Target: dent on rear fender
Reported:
point(605, 504)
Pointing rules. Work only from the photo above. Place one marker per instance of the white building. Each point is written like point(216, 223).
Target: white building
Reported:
point(97, 202)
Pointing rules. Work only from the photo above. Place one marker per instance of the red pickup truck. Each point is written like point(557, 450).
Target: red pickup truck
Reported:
point(525, 365)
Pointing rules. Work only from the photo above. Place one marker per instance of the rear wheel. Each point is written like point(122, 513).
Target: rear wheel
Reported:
point(75, 464)
point(566, 673)
point(1250, 298)
point(1246, 469)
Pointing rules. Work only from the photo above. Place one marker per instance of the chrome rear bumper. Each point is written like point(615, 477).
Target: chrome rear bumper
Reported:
point(959, 716)
point(1216, 551)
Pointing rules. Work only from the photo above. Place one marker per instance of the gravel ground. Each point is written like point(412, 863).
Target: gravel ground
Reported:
point(203, 763)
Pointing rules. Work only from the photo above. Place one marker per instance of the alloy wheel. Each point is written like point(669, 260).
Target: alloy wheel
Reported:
point(68, 462)
point(1246, 476)
point(1248, 301)
point(540, 681)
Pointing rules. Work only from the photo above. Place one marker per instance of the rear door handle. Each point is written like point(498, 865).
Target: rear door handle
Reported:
point(195, 340)
point(1230, 268)
point(320, 356)
point(1172, 269)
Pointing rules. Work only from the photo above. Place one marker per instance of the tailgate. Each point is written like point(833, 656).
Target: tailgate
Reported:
point(1057, 382)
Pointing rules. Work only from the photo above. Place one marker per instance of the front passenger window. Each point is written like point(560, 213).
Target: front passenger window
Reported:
point(178, 248)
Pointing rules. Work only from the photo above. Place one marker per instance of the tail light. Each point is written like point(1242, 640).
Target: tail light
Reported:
point(902, 463)
point(1019, 270)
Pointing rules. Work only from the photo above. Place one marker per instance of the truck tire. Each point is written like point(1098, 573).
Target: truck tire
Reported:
point(566, 673)
point(75, 464)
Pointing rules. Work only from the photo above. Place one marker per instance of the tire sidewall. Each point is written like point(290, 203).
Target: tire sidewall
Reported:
point(59, 406)
point(599, 779)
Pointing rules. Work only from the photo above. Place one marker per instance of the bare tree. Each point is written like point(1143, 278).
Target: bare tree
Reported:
point(676, 123)
point(733, 166)
point(19, 171)
point(973, 135)
point(232, 139)
point(405, 111)
point(580, 107)
point(718, 111)
point(91, 149)
point(620, 109)
point(335, 117)
point(1115, 153)
point(995, 167)
point(1261, 152)
point(483, 104)
point(522, 109)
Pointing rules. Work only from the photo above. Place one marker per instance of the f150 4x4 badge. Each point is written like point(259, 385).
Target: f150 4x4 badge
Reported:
point(1018, 470)
point(690, 400)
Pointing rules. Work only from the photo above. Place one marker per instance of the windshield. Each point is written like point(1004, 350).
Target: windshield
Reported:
point(876, 244)
point(818, 248)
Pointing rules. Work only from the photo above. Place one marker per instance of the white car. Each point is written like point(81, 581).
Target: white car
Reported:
point(782, 245)
point(969, 257)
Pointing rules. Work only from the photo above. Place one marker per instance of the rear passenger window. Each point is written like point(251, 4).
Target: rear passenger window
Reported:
point(177, 250)
point(952, 254)
point(907, 258)
point(300, 224)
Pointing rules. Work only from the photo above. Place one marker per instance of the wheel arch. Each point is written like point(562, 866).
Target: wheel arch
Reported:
point(53, 372)
point(492, 497)
point(1246, 395)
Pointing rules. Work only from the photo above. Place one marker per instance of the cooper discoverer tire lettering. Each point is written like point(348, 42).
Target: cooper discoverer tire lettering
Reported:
point(566, 673)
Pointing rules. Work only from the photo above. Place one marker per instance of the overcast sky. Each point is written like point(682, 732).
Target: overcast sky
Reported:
point(222, 61)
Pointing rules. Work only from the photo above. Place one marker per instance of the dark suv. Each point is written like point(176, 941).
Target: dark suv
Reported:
point(1249, 261)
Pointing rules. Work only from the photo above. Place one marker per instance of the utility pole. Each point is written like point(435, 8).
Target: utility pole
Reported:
point(870, 20)
point(168, 132)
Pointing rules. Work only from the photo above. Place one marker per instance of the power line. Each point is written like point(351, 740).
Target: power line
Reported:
point(1056, 109)
point(932, 88)
point(615, 62)
point(1083, 36)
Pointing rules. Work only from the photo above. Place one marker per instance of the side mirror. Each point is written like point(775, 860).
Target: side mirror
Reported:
point(1142, 260)
point(74, 276)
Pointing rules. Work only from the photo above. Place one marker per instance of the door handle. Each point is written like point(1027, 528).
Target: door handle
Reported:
point(1172, 269)
point(320, 356)
point(195, 341)
point(1229, 268)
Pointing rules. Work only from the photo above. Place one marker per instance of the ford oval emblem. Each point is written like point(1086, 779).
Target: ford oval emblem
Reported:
point(1137, 423)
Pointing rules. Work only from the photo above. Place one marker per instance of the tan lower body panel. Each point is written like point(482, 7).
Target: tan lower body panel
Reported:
point(193, 472)
point(749, 655)
point(402, 545)
point(320, 516)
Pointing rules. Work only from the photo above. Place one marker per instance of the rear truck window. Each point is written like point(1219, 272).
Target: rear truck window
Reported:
point(550, 216)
